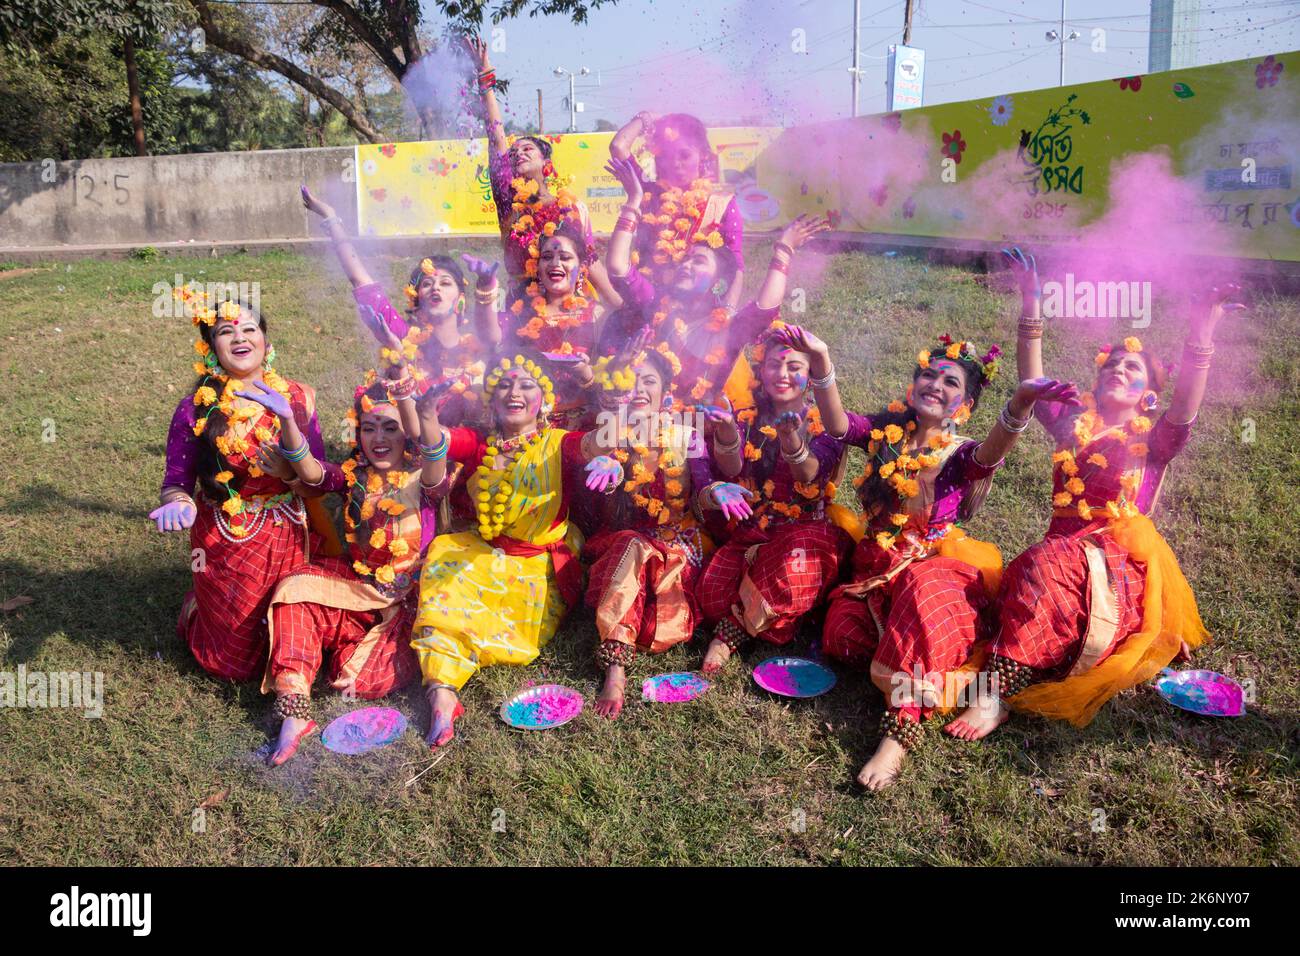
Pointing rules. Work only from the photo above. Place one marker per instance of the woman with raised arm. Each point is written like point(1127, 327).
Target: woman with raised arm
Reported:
point(916, 606)
point(358, 610)
point(550, 314)
point(530, 196)
point(689, 313)
point(1100, 604)
point(251, 442)
point(435, 330)
point(495, 595)
point(784, 551)
point(685, 199)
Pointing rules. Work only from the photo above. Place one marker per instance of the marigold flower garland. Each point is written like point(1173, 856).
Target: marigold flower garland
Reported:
point(1090, 427)
point(496, 504)
point(679, 213)
point(195, 302)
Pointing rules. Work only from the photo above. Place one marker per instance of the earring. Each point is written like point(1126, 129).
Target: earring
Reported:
point(269, 358)
point(1149, 400)
point(460, 303)
point(548, 170)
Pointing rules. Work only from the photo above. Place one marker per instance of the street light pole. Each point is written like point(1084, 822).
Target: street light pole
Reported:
point(1060, 37)
point(856, 73)
point(573, 96)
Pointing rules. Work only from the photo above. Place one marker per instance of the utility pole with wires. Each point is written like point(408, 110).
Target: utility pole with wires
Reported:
point(1059, 36)
point(907, 22)
point(573, 101)
point(855, 72)
point(541, 126)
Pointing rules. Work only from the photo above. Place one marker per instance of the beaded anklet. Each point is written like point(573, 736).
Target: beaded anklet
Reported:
point(903, 727)
point(1013, 677)
point(293, 705)
point(609, 653)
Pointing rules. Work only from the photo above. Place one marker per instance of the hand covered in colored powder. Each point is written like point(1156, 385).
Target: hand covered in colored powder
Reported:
point(1046, 390)
point(787, 423)
point(174, 516)
point(1025, 270)
point(733, 500)
point(604, 474)
point(486, 272)
point(269, 399)
point(801, 340)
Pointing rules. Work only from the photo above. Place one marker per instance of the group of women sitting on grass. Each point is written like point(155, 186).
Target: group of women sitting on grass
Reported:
point(620, 434)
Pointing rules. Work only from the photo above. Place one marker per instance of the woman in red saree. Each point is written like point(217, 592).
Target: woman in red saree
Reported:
point(914, 610)
point(782, 552)
point(532, 201)
point(1100, 604)
point(684, 202)
point(647, 557)
point(358, 610)
point(249, 525)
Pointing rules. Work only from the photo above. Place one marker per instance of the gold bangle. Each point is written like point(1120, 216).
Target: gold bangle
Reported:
point(486, 296)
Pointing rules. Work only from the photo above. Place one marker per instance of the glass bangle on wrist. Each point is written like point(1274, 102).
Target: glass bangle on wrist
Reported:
point(1010, 422)
point(825, 382)
point(797, 458)
point(434, 452)
point(297, 455)
point(726, 449)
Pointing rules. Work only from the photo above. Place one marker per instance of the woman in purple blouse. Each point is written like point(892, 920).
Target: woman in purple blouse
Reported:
point(1100, 604)
point(913, 609)
point(250, 441)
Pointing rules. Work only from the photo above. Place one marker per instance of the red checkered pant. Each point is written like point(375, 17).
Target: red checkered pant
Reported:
point(223, 619)
point(795, 564)
point(606, 551)
point(306, 632)
point(931, 616)
point(1045, 599)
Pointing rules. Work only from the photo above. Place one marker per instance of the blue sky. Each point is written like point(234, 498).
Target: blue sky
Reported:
point(728, 60)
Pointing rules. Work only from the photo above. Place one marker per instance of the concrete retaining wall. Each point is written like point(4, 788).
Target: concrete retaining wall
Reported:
point(194, 197)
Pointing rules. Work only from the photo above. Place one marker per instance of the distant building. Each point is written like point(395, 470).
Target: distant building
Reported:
point(1172, 43)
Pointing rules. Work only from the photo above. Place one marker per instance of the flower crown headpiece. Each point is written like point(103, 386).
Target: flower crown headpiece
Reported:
point(621, 378)
point(528, 365)
point(759, 351)
point(989, 362)
point(412, 294)
point(1133, 345)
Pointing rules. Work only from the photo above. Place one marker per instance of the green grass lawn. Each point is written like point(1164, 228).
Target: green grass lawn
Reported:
point(735, 778)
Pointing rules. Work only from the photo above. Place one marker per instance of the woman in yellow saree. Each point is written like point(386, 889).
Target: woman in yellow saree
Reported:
point(496, 595)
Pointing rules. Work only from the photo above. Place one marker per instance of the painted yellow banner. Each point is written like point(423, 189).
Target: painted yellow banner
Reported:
point(1027, 167)
point(442, 186)
point(1038, 166)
